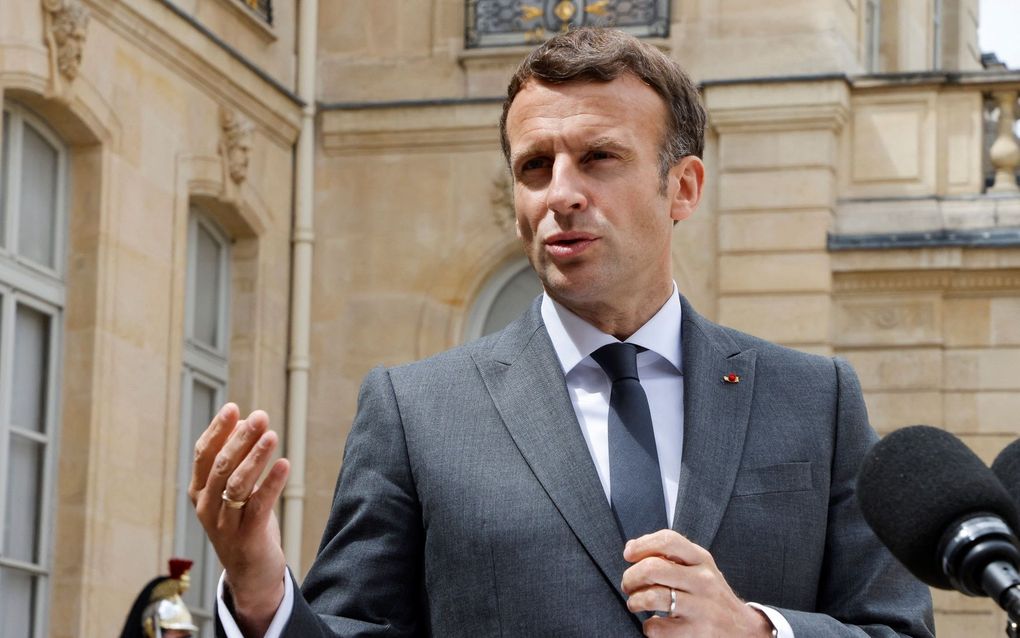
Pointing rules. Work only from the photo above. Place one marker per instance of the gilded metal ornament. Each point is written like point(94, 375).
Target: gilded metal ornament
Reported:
point(493, 23)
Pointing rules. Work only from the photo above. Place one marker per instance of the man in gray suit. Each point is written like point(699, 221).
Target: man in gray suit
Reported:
point(491, 490)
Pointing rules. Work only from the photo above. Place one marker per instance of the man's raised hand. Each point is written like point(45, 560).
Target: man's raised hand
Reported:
point(230, 456)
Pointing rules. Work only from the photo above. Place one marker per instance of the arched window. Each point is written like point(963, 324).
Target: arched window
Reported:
point(33, 191)
point(504, 297)
point(203, 390)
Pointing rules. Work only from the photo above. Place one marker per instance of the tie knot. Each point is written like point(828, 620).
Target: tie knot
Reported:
point(618, 360)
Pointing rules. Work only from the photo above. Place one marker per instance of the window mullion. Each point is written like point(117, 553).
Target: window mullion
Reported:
point(60, 201)
point(35, 437)
point(200, 357)
point(184, 462)
point(50, 421)
point(6, 363)
point(32, 283)
point(20, 565)
point(192, 267)
point(13, 182)
point(223, 331)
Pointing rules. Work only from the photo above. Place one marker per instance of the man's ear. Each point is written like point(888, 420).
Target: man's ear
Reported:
point(688, 176)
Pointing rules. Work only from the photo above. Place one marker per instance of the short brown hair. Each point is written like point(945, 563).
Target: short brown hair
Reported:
point(602, 55)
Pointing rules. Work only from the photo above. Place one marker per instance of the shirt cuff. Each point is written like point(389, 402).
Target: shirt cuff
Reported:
point(779, 623)
point(230, 627)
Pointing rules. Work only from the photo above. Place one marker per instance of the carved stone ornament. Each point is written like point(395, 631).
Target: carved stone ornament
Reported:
point(501, 197)
point(66, 31)
point(235, 143)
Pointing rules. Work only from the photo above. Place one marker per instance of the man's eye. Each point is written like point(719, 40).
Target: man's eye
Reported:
point(534, 163)
point(599, 155)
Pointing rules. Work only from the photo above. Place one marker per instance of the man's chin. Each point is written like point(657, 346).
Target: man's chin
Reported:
point(570, 290)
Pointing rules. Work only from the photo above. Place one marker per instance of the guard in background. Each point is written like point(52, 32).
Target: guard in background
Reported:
point(159, 611)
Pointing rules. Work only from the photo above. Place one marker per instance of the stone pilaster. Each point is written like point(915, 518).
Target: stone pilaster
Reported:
point(778, 154)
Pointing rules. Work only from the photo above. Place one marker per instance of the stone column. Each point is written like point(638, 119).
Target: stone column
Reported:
point(778, 155)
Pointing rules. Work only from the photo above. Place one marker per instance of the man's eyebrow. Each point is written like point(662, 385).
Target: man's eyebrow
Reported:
point(605, 142)
point(528, 151)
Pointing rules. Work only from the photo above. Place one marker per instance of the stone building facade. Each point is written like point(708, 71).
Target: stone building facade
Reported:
point(159, 215)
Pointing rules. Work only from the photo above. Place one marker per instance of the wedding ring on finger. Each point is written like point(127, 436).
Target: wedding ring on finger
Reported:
point(231, 503)
point(672, 603)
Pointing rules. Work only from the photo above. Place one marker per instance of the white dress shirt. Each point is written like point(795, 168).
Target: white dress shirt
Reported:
point(661, 373)
point(659, 369)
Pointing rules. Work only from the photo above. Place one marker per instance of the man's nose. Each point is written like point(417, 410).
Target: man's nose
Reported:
point(566, 192)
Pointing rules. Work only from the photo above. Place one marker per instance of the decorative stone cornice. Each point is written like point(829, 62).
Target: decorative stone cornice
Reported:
point(939, 280)
point(829, 117)
point(410, 128)
point(66, 29)
point(235, 143)
point(769, 105)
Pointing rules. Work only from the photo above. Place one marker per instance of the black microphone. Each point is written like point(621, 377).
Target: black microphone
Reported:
point(943, 514)
point(1007, 468)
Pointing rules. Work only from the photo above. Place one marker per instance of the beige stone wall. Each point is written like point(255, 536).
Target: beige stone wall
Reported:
point(142, 123)
point(390, 49)
point(407, 235)
point(960, 49)
point(937, 346)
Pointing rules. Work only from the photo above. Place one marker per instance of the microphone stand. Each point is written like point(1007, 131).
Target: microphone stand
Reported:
point(1010, 603)
point(1009, 600)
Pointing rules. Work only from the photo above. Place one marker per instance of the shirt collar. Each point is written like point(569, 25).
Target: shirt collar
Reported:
point(573, 338)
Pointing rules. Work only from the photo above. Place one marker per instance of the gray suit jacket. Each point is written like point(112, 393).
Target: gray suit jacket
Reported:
point(468, 504)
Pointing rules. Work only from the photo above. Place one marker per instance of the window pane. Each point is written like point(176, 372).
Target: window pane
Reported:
point(206, 299)
point(17, 600)
point(196, 547)
point(203, 409)
point(24, 495)
point(31, 354)
point(513, 299)
point(38, 211)
point(4, 163)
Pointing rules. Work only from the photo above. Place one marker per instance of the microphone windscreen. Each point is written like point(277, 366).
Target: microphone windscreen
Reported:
point(914, 484)
point(1007, 468)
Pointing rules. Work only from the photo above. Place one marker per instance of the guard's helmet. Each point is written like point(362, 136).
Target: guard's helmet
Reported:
point(159, 607)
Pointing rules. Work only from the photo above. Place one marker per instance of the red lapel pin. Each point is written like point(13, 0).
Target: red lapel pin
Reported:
point(731, 378)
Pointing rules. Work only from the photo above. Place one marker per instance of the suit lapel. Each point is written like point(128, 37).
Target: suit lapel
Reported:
point(526, 382)
point(716, 414)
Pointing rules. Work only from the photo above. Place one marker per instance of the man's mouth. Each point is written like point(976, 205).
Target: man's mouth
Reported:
point(570, 244)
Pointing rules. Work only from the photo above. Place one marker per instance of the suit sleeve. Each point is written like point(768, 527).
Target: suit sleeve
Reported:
point(367, 580)
point(864, 591)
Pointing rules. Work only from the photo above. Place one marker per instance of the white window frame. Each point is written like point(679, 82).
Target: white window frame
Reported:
point(872, 35)
point(40, 287)
point(209, 364)
point(8, 248)
point(938, 27)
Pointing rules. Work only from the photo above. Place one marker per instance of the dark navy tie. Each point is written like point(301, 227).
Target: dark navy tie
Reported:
point(635, 483)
